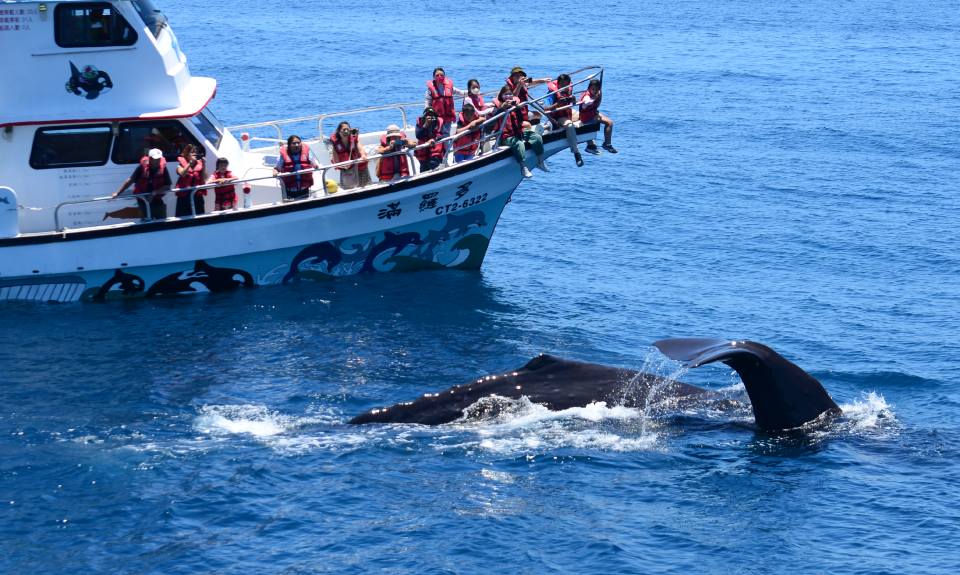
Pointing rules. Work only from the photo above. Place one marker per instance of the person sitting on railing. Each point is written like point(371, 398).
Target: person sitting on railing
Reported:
point(428, 131)
point(476, 100)
point(294, 157)
point(519, 82)
point(150, 180)
point(467, 121)
point(560, 107)
point(192, 173)
point(226, 195)
point(439, 96)
point(397, 166)
point(589, 106)
point(516, 137)
point(346, 147)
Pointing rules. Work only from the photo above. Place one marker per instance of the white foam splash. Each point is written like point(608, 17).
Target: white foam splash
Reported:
point(256, 420)
point(871, 413)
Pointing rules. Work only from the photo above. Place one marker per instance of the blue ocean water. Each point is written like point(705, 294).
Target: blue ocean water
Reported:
point(787, 174)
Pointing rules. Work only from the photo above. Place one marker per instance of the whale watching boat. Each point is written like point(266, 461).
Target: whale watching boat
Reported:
point(100, 84)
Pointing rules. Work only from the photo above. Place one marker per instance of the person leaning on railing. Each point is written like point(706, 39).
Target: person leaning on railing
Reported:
point(346, 147)
point(226, 194)
point(192, 173)
point(428, 131)
point(518, 83)
point(468, 123)
point(516, 137)
point(294, 157)
point(589, 112)
point(560, 107)
point(439, 96)
point(396, 166)
point(150, 180)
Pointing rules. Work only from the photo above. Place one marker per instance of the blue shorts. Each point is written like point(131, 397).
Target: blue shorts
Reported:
point(462, 157)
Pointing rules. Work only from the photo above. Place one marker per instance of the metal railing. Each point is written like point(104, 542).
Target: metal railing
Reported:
point(450, 148)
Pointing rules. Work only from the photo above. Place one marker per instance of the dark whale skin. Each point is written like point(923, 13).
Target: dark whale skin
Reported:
point(783, 396)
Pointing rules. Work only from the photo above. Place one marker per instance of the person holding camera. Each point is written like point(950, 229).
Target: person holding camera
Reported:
point(346, 147)
point(589, 112)
point(294, 157)
point(516, 136)
point(429, 130)
point(560, 106)
point(518, 83)
point(391, 167)
point(439, 96)
point(468, 122)
point(192, 173)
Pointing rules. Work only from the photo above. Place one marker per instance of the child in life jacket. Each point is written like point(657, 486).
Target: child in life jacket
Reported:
point(226, 196)
point(589, 112)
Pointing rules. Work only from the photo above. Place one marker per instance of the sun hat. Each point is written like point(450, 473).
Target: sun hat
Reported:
point(394, 130)
point(516, 69)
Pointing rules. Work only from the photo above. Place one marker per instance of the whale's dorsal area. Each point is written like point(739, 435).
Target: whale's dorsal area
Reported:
point(783, 395)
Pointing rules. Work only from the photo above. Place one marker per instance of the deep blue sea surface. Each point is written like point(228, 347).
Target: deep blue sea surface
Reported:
point(788, 173)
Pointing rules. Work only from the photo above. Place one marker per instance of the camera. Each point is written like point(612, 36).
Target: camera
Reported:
point(355, 131)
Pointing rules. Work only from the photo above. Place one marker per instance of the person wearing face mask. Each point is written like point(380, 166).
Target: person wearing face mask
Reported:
point(560, 107)
point(439, 96)
point(516, 136)
point(484, 110)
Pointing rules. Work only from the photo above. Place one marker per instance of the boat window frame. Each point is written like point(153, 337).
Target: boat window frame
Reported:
point(184, 131)
point(203, 118)
point(45, 129)
point(115, 19)
point(155, 24)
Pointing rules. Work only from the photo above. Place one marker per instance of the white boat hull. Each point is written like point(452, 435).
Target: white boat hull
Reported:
point(439, 220)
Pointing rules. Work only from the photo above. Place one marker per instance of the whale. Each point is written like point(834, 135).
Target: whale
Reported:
point(783, 396)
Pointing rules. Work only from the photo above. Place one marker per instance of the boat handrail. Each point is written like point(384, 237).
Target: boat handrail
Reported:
point(320, 117)
point(413, 165)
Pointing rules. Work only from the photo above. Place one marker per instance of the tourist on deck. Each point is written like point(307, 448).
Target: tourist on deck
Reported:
point(428, 131)
point(589, 106)
point(468, 123)
point(476, 100)
point(519, 82)
point(439, 96)
point(397, 166)
point(294, 157)
point(560, 106)
point(192, 173)
point(226, 195)
point(516, 137)
point(346, 147)
point(150, 180)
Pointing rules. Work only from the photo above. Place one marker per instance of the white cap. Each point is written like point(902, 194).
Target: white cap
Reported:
point(155, 154)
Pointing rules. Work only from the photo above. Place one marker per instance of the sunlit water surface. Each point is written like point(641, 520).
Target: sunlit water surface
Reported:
point(787, 174)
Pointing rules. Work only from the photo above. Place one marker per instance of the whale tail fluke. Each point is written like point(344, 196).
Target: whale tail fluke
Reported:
point(783, 395)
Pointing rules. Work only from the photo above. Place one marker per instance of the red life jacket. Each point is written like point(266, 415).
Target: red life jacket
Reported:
point(589, 113)
point(392, 165)
point(477, 102)
point(225, 192)
point(521, 97)
point(443, 103)
point(435, 151)
point(472, 137)
point(289, 165)
point(347, 153)
point(564, 93)
point(190, 178)
point(514, 126)
point(147, 178)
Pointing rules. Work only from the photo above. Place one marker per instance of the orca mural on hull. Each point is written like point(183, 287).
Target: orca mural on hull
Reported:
point(203, 277)
point(424, 251)
point(121, 284)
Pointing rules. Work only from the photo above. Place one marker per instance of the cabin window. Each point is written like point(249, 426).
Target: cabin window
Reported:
point(91, 24)
point(209, 131)
point(152, 16)
point(71, 146)
point(137, 138)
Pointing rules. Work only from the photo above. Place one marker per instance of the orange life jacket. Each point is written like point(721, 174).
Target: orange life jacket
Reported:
point(443, 103)
point(588, 112)
point(289, 165)
point(435, 151)
point(472, 137)
point(392, 165)
point(522, 97)
point(561, 95)
point(147, 177)
point(346, 153)
point(190, 178)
